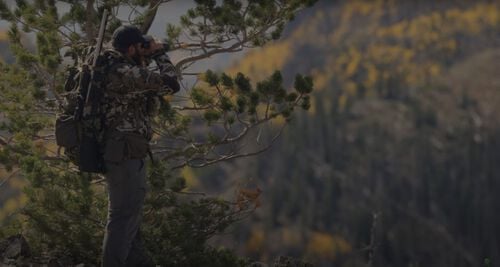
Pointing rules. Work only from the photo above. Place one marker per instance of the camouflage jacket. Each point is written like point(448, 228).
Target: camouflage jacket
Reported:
point(132, 92)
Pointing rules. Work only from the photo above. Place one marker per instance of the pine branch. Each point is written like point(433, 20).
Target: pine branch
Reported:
point(150, 15)
point(230, 156)
point(236, 47)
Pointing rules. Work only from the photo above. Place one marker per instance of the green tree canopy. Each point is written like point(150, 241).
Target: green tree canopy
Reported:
point(218, 118)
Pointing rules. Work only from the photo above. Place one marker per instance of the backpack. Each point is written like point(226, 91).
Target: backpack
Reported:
point(79, 127)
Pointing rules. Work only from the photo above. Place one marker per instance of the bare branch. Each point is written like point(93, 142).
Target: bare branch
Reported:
point(150, 15)
point(233, 48)
point(90, 28)
point(231, 156)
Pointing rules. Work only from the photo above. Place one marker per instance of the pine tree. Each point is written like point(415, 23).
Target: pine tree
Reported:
point(65, 214)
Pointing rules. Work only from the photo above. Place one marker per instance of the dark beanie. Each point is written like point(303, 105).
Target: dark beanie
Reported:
point(125, 36)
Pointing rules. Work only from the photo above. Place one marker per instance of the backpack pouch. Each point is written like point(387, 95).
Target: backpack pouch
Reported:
point(66, 131)
point(90, 155)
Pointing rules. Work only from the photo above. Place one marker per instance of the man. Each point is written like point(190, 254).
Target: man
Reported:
point(131, 96)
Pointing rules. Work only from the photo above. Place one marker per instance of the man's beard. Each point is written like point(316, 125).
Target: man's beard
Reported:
point(137, 57)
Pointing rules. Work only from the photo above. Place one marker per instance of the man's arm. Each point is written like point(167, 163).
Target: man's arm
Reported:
point(168, 72)
point(130, 78)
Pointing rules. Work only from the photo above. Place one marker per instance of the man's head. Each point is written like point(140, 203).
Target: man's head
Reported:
point(128, 39)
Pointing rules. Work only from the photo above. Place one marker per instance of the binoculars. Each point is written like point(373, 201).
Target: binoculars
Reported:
point(147, 43)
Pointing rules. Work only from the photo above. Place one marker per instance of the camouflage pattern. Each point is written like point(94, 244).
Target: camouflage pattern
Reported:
point(131, 94)
point(130, 98)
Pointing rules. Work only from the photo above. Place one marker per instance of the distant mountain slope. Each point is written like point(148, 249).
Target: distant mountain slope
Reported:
point(401, 146)
point(478, 75)
point(360, 45)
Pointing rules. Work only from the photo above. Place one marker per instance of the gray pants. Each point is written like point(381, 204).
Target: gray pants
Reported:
point(122, 245)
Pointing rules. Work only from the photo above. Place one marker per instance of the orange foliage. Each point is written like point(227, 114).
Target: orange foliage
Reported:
point(291, 236)
point(261, 63)
point(247, 196)
point(256, 241)
point(327, 246)
point(362, 50)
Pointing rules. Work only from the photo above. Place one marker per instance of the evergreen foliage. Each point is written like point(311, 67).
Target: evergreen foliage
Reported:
point(65, 214)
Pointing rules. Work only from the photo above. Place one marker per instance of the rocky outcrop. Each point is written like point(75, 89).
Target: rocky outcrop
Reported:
point(14, 251)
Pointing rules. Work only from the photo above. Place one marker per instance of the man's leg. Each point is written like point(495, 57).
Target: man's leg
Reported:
point(127, 189)
point(137, 255)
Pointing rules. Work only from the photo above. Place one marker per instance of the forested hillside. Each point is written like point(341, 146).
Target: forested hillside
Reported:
point(397, 164)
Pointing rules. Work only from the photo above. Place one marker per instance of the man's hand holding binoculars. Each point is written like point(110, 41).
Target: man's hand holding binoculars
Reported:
point(152, 46)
